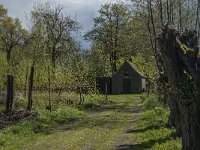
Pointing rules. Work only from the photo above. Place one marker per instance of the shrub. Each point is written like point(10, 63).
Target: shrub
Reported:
point(156, 117)
point(96, 99)
point(150, 102)
point(60, 115)
point(65, 113)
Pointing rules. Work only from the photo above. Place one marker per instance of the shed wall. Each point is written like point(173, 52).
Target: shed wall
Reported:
point(136, 80)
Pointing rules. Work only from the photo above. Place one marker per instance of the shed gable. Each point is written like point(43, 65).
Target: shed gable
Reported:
point(127, 79)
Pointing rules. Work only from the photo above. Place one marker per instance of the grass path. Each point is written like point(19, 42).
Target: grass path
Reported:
point(103, 129)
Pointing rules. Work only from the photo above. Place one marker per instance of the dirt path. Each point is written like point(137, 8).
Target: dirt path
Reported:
point(104, 129)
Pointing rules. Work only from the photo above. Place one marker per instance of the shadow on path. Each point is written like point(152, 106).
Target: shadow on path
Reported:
point(155, 127)
point(145, 145)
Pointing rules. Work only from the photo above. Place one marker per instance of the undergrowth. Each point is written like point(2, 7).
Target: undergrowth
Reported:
point(43, 124)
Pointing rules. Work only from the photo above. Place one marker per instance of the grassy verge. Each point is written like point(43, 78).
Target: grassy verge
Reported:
point(16, 135)
point(152, 131)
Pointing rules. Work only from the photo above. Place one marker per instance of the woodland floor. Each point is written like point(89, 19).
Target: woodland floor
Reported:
point(111, 126)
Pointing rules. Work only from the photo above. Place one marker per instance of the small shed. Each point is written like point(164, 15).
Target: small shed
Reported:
point(128, 80)
point(104, 84)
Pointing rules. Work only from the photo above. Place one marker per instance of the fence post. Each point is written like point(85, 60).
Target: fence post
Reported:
point(9, 99)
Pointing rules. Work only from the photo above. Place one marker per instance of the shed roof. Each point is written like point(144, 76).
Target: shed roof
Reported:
point(132, 66)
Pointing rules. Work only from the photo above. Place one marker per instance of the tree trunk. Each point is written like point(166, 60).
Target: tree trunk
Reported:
point(8, 56)
point(113, 60)
point(30, 90)
point(106, 89)
point(53, 58)
point(25, 84)
point(175, 116)
point(161, 12)
point(81, 95)
point(49, 88)
point(180, 65)
point(9, 100)
point(180, 16)
point(168, 14)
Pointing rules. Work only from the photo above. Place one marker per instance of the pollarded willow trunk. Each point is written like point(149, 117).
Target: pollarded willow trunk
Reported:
point(175, 116)
point(183, 73)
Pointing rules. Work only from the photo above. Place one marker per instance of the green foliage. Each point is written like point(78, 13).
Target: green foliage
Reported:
point(94, 101)
point(3, 11)
point(150, 102)
point(13, 37)
point(3, 70)
point(156, 117)
point(145, 62)
point(154, 108)
point(66, 113)
point(63, 114)
point(54, 29)
point(108, 33)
